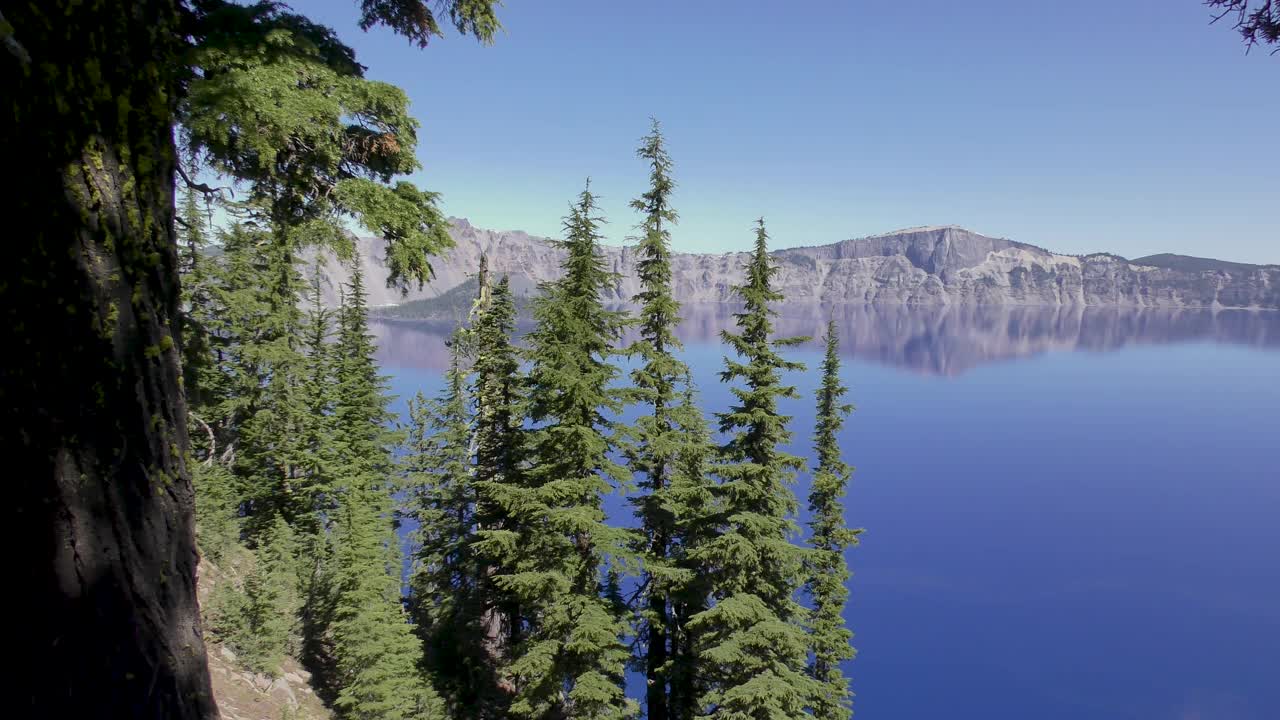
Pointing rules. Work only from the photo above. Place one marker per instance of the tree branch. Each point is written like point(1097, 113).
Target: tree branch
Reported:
point(213, 443)
point(11, 43)
point(201, 187)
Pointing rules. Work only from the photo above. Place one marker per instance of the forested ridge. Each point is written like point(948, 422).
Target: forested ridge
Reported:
point(521, 598)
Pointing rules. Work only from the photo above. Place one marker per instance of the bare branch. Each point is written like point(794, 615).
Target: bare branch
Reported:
point(11, 43)
point(1258, 25)
point(213, 443)
point(201, 187)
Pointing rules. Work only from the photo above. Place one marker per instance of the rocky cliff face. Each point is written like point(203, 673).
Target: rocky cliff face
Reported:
point(920, 266)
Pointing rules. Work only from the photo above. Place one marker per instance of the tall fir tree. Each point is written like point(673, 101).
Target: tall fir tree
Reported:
point(828, 569)
point(272, 602)
point(319, 485)
point(318, 481)
point(497, 390)
point(570, 659)
point(251, 399)
point(691, 503)
point(445, 585)
point(253, 608)
point(657, 440)
point(193, 240)
point(216, 497)
point(375, 649)
point(752, 645)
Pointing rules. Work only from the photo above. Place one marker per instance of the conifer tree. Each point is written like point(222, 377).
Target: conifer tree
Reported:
point(692, 502)
point(100, 88)
point(271, 592)
point(657, 439)
point(375, 648)
point(376, 651)
point(192, 266)
point(446, 584)
point(752, 648)
point(498, 472)
point(271, 453)
point(216, 498)
point(257, 618)
point(570, 658)
point(319, 485)
point(828, 569)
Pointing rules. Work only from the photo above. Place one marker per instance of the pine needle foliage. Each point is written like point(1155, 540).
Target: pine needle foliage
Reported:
point(376, 651)
point(828, 569)
point(570, 658)
point(752, 647)
point(280, 106)
point(499, 441)
point(258, 618)
point(446, 584)
point(691, 502)
point(656, 438)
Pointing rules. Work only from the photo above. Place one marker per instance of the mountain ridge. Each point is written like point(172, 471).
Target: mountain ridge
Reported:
point(927, 265)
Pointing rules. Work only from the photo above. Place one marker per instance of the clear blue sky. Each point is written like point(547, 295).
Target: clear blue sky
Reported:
point(1129, 126)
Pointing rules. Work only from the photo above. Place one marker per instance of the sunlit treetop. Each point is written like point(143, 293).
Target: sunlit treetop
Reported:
point(417, 21)
point(279, 106)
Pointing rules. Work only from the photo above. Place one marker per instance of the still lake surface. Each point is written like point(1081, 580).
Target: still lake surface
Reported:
point(1071, 513)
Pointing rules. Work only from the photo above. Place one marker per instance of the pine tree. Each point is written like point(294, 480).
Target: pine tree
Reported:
point(375, 648)
point(828, 569)
point(192, 267)
point(216, 499)
point(692, 502)
point(446, 583)
point(752, 648)
point(257, 619)
point(317, 481)
point(657, 439)
point(251, 407)
point(498, 472)
point(271, 592)
point(271, 454)
point(318, 486)
point(570, 659)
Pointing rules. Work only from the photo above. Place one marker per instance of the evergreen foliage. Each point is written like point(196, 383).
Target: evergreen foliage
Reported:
point(193, 241)
point(752, 648)
point(569, 660)
point(516, 604)
point(270, 453)
point(277, 103)
point(657, 439)
point(257, 619)
point(446, 597)
point(318, 465)
point(375, 649)
point(828, 569)
point(498, 473)
point(691, 503)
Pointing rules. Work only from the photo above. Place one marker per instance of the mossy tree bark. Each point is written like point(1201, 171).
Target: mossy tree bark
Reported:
point(92, 399)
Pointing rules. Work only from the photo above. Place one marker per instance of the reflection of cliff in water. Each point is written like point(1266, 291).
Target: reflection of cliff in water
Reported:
point(941, 340)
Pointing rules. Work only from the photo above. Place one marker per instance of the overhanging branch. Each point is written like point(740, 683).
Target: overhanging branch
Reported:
point(202, 187)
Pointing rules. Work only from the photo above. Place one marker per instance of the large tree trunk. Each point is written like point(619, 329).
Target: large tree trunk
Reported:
point(656, 693)
point(94, 432)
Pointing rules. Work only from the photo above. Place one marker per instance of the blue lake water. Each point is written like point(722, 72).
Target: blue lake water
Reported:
point(1070, 513)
